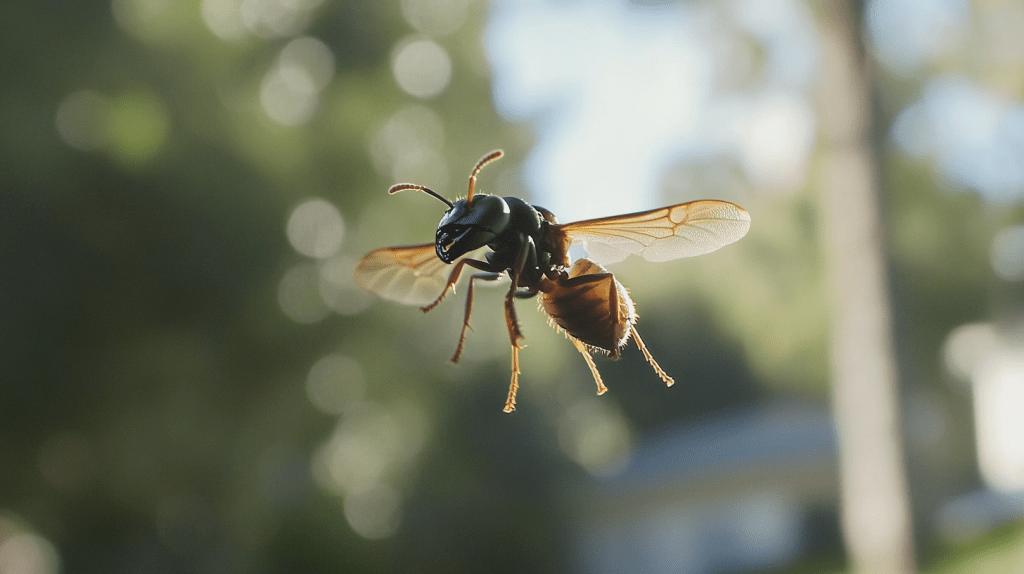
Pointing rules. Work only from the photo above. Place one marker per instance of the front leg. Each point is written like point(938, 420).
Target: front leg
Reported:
point(453, 278)
point(469, 309)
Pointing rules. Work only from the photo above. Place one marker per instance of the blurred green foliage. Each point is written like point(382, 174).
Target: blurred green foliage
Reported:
point(154, 414)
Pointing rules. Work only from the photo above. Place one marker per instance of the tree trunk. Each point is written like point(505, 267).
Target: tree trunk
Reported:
point(876, 515)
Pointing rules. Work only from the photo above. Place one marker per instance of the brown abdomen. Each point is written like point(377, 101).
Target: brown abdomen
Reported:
point(592, 306)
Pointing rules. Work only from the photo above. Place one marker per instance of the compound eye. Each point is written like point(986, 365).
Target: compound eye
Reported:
point(488, 212)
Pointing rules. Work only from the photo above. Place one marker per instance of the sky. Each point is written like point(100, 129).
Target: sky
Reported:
point(620, 94)
point(629, 99)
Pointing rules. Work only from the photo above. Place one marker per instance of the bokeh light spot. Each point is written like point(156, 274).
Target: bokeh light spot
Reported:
point(967, 346)
point(374, 514)
point(338, 288)
point(435, 17)
point(998, 385)
point(139, 126)
point(334, 383)
point(315, 228)
point(1007, 253)
point(224, 18)
point(27, 553)
point(775, 141)
point(371, 446)
point(908, 34)
point(276, 18)
point(289, 95)
point(422, 68)
point(83, 120)
point(596, 436)
point(312, 56)
point(366, 443)
point(407, 147)
point(299, 296)
point(155, 21)
point(973, 136)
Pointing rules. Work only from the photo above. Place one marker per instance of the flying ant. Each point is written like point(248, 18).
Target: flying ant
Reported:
point(527, 243)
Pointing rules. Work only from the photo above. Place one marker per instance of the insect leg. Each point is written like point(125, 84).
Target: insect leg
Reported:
point(453, 278)
point(582, 348)
point(512, 322)
point(469, 309)
point(650, 359)
point(510, 402)
point(516, 336)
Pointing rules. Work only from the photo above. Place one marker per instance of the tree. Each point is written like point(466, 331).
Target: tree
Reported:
point(876, 516)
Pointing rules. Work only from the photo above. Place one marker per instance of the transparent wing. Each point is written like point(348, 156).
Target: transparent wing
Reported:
point(673, 232)
point(412, 275)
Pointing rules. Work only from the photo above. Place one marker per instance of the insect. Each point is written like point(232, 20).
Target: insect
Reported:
point(525, 242)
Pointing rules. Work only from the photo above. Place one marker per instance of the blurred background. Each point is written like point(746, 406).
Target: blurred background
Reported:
point(190, 381)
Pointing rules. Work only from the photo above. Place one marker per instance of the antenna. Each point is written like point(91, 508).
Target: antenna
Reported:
point(479, 165)
point(404, 186)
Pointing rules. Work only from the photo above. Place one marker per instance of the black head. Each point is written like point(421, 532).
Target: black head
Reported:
point(469, 225)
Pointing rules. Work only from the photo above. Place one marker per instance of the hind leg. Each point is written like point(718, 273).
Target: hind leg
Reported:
point(669, 381)
point(582, 348)
point(513, 388)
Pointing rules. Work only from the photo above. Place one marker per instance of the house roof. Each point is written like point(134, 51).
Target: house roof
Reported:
point(775, 434)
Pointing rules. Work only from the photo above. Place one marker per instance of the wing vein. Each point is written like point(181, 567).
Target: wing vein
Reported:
point(683, 230)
